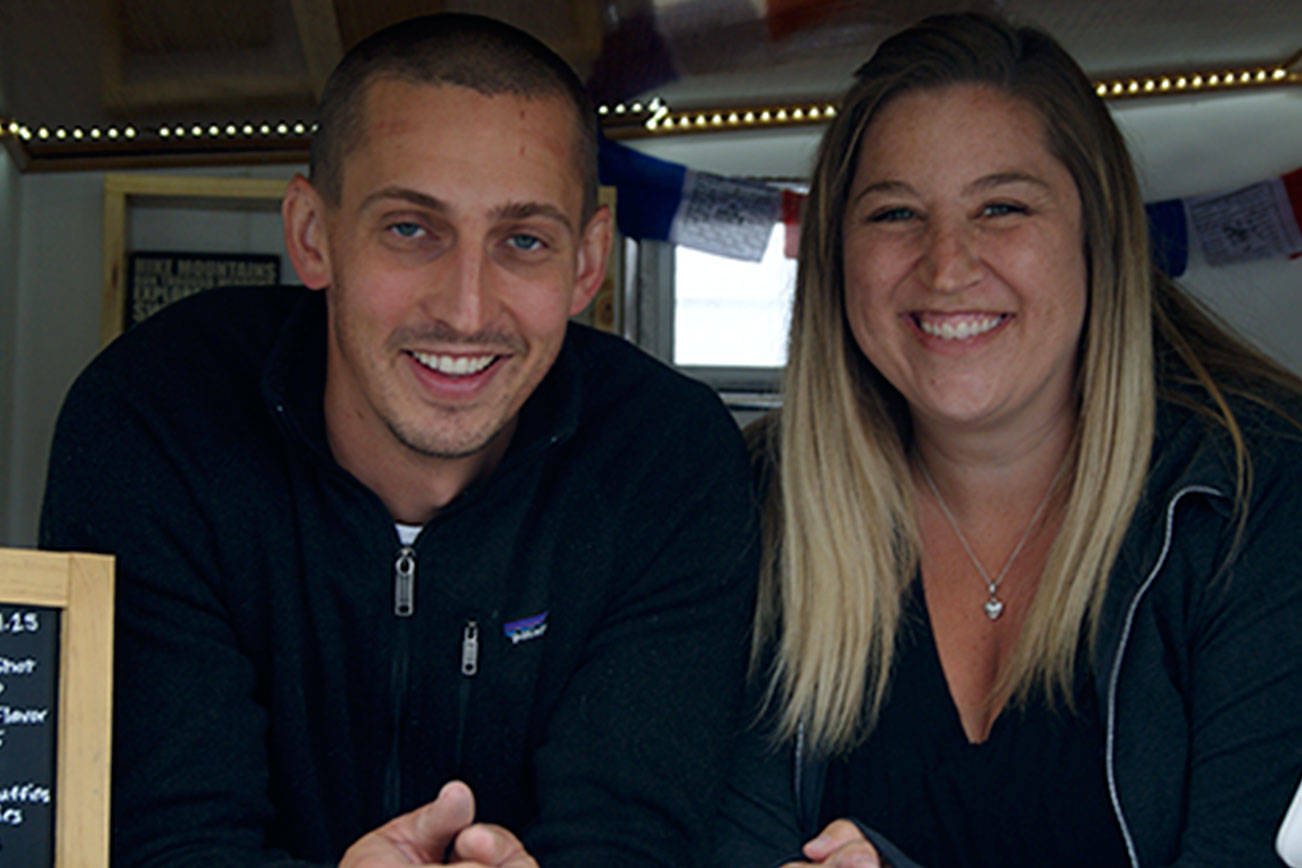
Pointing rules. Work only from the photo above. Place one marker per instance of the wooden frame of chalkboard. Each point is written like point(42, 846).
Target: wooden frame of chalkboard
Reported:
point(80, 587)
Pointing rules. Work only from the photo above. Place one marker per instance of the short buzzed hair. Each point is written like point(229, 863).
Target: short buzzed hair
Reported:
point(471, 51)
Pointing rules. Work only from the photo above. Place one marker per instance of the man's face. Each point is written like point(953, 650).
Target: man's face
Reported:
point(455, 257)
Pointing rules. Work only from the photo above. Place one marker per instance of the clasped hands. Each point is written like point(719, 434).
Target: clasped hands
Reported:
point(443, 827)
point(840, 845)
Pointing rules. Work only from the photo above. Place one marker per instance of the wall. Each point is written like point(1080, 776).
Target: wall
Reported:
point(10, 203)
point(1210, 144)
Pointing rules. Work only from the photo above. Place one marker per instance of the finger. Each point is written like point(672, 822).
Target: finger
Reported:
point(857, 854)
point(837, 834)
point(428, 831)
point(488, 844)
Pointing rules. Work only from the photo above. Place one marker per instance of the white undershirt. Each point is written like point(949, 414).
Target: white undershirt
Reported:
point(407, 532)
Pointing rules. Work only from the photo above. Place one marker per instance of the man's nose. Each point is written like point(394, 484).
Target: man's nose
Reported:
point(466, 301)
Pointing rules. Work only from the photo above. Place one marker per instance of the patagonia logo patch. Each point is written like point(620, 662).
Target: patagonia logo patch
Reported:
point(526, 628)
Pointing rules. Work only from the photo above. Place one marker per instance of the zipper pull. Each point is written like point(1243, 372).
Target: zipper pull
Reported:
point(470, 649)
point(404, 583)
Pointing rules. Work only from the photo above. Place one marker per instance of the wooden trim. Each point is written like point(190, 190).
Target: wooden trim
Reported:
point(119, 192)
point(318, 34)
point(82, 586)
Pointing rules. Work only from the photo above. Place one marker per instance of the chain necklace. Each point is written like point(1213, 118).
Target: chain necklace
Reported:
point(994, 607)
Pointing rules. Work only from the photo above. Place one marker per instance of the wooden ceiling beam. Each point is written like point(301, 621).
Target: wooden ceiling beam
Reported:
point(318, 34)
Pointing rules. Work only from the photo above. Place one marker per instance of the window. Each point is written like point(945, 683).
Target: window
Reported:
point(729, 313)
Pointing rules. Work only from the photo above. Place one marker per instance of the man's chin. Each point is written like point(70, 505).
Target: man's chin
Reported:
point(453, 445)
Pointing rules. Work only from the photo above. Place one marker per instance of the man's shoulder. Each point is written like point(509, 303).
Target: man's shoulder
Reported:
point(212, 335)
point(615, 371)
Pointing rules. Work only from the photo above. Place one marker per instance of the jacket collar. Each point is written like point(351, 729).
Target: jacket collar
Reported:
point(1191, 452)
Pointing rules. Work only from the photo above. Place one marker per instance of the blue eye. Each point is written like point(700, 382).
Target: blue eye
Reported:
point(525, 242)
point(406, 230)
point(892, 215)
point(1001, 209)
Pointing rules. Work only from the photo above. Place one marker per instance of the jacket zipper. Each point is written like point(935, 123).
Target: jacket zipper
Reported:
point(469, 669)
point(404, 605)
point(404, 583)
point(1113, 677)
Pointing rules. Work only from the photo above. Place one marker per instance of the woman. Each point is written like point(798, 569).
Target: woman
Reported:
point(1030, 595)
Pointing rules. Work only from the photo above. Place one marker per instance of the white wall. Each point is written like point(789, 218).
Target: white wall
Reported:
point(1208, 144)
point(57, 314)
point(50, 266)
point(9, 213)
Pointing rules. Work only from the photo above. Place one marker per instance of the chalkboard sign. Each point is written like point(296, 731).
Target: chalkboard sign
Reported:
point(56, 637)
point(29, 668)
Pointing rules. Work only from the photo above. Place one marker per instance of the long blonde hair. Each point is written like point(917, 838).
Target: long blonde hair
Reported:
point(840, 538)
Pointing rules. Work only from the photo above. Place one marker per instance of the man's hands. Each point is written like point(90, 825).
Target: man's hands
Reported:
point(426, 834)
point(840, 845)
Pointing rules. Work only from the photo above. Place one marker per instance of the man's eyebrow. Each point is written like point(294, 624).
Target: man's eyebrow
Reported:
point(509, 211)
point(525, 210)
point(406, 194)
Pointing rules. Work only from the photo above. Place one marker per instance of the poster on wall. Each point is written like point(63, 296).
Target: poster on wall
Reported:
point(156, 279)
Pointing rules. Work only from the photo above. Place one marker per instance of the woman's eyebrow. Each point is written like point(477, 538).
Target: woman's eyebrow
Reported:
point(888, 187)
point(998, 179)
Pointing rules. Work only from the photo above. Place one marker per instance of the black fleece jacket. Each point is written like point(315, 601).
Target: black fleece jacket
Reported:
point(577, 635)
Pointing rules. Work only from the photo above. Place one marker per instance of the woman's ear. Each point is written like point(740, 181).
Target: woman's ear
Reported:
point(303, 213)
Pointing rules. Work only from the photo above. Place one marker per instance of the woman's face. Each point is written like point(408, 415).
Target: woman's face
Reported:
point(964, 259)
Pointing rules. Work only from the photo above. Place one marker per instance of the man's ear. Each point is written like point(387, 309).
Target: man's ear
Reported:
point(303, 213)
point(594, 248)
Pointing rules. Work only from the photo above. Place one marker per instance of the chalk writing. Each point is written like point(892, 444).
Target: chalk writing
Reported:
point(29, 668)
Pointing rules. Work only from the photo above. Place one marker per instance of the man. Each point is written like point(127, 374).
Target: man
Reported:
point(413, 528)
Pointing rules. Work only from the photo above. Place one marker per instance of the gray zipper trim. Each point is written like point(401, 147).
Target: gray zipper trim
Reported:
point(1121, 651)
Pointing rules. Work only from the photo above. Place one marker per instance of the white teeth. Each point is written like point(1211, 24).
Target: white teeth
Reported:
point(457, 366)
point(957, 328)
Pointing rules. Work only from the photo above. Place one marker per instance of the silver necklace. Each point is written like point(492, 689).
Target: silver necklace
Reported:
point(994, 607)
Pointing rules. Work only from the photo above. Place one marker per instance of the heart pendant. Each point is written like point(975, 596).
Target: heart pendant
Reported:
point(994, 608)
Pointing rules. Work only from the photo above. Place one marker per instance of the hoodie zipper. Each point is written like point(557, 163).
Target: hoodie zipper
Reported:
point(404, 606)
point(469, 669)
point(1114, 676)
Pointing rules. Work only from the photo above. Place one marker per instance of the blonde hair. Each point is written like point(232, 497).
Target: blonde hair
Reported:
point(840, 538)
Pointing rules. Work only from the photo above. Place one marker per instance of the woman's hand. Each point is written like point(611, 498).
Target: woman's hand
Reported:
point(840, 845)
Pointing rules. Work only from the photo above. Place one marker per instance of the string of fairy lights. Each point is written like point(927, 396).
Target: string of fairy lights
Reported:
point(622, 120)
